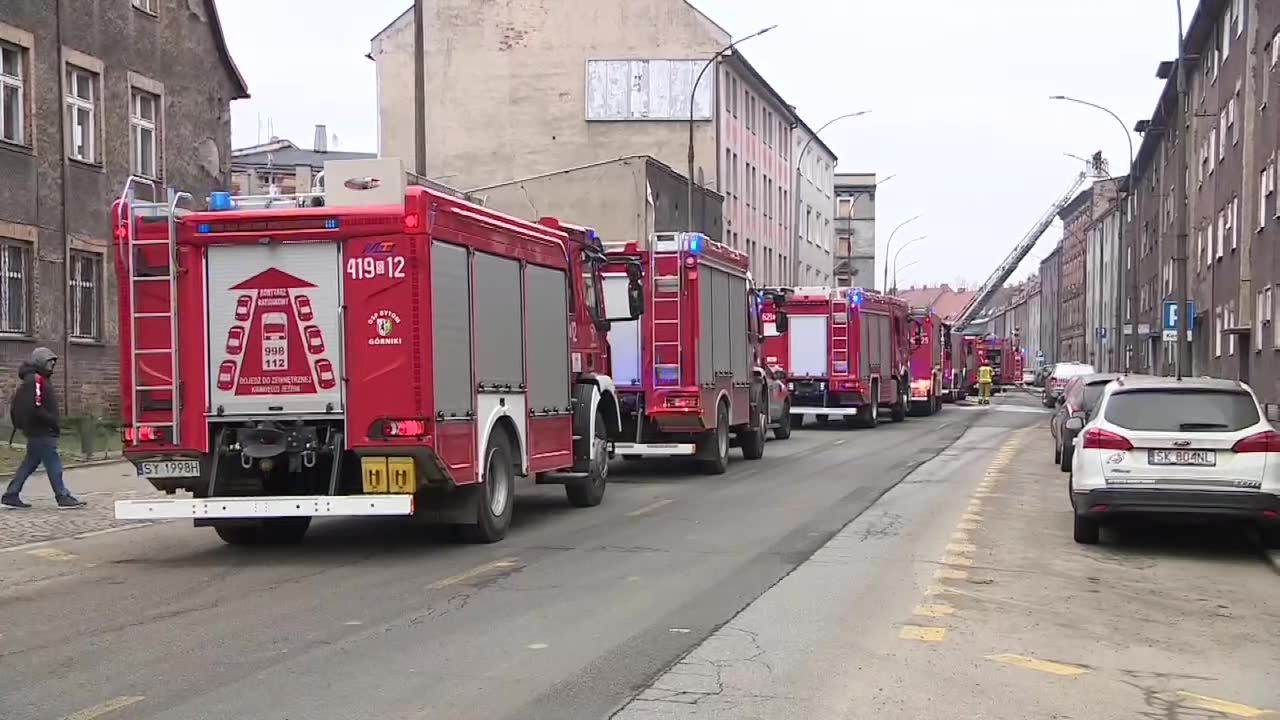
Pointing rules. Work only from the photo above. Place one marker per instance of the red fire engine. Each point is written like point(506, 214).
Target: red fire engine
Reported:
point(928, 336)
point(846, 354)
point(688, 373)
point(373, 350)
point(997, 352)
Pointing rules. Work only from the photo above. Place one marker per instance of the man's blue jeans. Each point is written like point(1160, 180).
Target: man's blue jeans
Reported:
point(40, 451)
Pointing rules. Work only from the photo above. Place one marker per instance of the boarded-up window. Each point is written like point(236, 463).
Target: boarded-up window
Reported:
point(647, 90)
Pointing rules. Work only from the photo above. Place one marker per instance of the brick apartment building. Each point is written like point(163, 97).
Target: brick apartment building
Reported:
point(1076, 218)
point(137, 87)
point(520, 90)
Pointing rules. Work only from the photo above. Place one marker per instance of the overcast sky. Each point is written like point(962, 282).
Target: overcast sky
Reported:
point(958, 93)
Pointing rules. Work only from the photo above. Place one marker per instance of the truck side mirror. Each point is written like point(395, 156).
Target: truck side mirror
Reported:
point(1074, 424)
point(780, 321)
point(635, 290)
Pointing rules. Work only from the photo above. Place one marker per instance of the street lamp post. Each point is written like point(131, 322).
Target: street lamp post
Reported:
point(693, 94)
point(1119, 341)
point(896, 268)
point(905, 245)
point(795, 193)
point(889, 245)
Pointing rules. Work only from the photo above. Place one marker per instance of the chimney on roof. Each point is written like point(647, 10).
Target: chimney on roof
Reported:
point(322, 139)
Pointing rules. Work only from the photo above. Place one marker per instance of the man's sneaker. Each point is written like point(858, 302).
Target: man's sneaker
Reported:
point(13, 502)
point(67, 502)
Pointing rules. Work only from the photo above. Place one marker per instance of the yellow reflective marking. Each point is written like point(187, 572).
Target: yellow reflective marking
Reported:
point(933, 610)
point(401, 475)
point(972, 517)
point(474, 572)
point(50, 553)
point(961, 547)
point(959, 535)
point(1205, 702)
point(957, 560)
point(922, 633)
point(374, 470)
point(967, 526)
point(97, 711)
point(1044, 666)
point(951, 574)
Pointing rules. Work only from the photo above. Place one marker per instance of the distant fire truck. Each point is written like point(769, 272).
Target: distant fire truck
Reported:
point(373, 350)
point(928, 341)
point(846, 355)
point(688, 372)
point(997, 352)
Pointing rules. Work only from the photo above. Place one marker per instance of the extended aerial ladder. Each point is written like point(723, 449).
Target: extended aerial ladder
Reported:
point(1019, 253)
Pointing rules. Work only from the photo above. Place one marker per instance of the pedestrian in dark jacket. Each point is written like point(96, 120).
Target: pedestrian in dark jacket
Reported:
point(35, 413)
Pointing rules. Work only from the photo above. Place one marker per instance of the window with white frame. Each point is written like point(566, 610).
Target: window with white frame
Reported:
point(13, 93)
point(86, 296)
point(1237, 16)
point(1222, 232)
point(147, 6)
point(1233, 212)
point(1272, 312)
point(1217, 332)
point(15, 287)
point(1213, 145)
point(1222, 127)
point(1199, 243)
point(1275, 49)
point(1231, 323)
point(1232, 125)
point(1225, 38)
point(144, 132)
point(81, 101)
point(1262, 197)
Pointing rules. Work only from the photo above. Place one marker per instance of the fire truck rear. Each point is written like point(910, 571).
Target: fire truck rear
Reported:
point(846, 355)
point(688, 371)
point(372, 350)
point(927, 371)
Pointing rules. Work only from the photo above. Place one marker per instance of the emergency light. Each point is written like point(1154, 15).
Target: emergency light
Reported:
point(219, 201)
point(667, 374)
point(855, 297)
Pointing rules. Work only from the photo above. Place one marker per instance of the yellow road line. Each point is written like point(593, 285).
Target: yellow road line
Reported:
point(103, 708)
point(1205, 702)
point(959, 535)
point(933, 610)
point(474, 572)
point(50, 553)
point(957, 560)
point(936, 590)
point(650, 507)
point(972, 517)
point(967, 526)
point(961, 547)
point(922, 633)
point(1044, 666)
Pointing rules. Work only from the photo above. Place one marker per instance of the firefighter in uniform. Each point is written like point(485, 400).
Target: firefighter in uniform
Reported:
point(984, 384)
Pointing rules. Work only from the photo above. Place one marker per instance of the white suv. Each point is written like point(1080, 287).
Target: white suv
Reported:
point(1192, 446)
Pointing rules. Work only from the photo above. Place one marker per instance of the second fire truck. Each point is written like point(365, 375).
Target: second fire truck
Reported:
point(928, 353)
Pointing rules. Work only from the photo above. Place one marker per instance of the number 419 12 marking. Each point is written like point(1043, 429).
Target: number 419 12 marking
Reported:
point(366, 268)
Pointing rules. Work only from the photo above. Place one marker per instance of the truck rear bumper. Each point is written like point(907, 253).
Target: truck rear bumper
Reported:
point(834, 412)
point(654, 449)
point(265, 507)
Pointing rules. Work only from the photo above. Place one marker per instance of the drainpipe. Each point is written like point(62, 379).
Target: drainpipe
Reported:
point(65, 359)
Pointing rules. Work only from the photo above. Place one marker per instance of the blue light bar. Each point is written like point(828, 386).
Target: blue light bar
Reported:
point(203, 228)
point(331, 224)
point(696, 241)
point(855, 297)
point(219, 201)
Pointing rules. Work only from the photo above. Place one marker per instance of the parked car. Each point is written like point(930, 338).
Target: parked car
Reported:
point(1028, 377)
point(1080, 399)
point(1057, 380)
point(1042, 374)
point(1191, 447)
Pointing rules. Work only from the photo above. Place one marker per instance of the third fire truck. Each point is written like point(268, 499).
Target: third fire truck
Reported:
point(375, 349)
point(846, 355)
point(688, 372)
point(928, 352)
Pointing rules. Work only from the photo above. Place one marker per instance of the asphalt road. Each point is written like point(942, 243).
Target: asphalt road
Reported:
point(571, 615)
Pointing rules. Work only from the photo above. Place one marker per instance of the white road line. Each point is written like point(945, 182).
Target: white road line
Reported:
point(650, 507)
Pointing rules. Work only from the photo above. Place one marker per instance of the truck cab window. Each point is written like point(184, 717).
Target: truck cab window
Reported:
point(591, 289)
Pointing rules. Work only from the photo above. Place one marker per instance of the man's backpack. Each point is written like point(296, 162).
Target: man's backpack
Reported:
point(18, 412)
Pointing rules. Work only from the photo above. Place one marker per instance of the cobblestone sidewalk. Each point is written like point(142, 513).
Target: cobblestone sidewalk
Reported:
point(99, 486)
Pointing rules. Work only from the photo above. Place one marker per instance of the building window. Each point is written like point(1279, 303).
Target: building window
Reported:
point(1237, 16)
point(15, 276)
point(13, 94)
point(146, 6)
point(1264, 185)
point(86, 296)
point(144, 123)
point(1232, 125)
point(1231, 323)
point(82, 95)
point(1217, 332)
point(1233, 209)
point(1222, 232)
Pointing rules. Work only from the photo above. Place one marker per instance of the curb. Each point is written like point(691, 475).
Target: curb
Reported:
point(1273, 557)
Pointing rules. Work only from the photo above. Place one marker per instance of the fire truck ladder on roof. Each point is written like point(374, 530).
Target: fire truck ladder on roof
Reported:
point(668, 291)
point(1015, 258)
point(141, 277)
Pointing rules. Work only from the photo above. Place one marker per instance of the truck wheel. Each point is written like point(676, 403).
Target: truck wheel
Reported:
point(588, 490)
point(754, 438)
point(496, 494)
point(898, 412)
point(1057, 453)
point(1067, 451)
point(868, 415)
point(783, 431)
point(714, 450)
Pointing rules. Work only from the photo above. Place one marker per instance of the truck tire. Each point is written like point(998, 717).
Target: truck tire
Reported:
point(868, 415)
point(496, 494)
point(1057, 452)
point(753, 439)
point(898, 412)
point(713, 450)
point(588, 489)
point(276, 531)
point(783, 431)
point(1066, 453)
